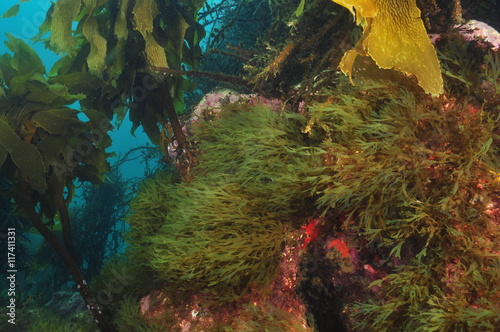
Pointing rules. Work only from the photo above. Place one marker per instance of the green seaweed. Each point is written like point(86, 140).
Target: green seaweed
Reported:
point(223, 231)
point(417, 176)
point(38, 129)
point(117, 43)
point(270, 318)
point(129, 317)
point(43, 320)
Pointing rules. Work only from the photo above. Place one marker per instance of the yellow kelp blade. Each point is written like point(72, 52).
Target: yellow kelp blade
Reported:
point(398, 40)
point(395, 37)
point(364, 8)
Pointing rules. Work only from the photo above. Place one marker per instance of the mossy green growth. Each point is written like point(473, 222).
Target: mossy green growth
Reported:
point(223, 231)
point(271, 319)
point(264, 153)
point(425, 157)
point(418, 177)
point(129, 317)
point(42, 320)
point(219, 242)
point(120, 278)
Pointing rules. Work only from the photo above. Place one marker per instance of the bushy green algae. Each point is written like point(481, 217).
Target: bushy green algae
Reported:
point(130, 318)
point(223, 231)
point(264, 154)
point(215, 240)
point(271, 319)
point(43, 320)
point(396, 161)
point(417, 176)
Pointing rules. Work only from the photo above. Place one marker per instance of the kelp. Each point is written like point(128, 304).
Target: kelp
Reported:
point(40, 133)
point(144, 13)
point(61, 25)
point(117, 42)
point(45, 147)
point(98, 44)
point(395, 37)
point(93, 15)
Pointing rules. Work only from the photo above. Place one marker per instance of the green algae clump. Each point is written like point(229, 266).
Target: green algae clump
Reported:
point(223, 231)
point(417, 178)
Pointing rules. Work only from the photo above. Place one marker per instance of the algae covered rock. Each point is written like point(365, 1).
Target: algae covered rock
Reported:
point(66, 302)
point(223, 231)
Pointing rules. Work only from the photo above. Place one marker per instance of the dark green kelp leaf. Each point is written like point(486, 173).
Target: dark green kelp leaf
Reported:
point(50, 147)
point(149, 123)
point(61, 66)
point(80, 82)
point(3, 155)
point(6, 70)
point(14, 10)
point(25, 156)
point(55, 195)
point(89, 173)
point(98, 160)
point(100, 125)
point(41, 92)
point(45, 26)
point(30, 108)
point(25, 59)
point(56, 121)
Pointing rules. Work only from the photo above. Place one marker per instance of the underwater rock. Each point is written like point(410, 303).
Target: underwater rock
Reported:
point(64, 303)
point(336, 269)
point(275, 308)
point(481, 32)
point(212, 102)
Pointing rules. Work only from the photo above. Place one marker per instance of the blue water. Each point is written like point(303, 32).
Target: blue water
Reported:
point(25, 26)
